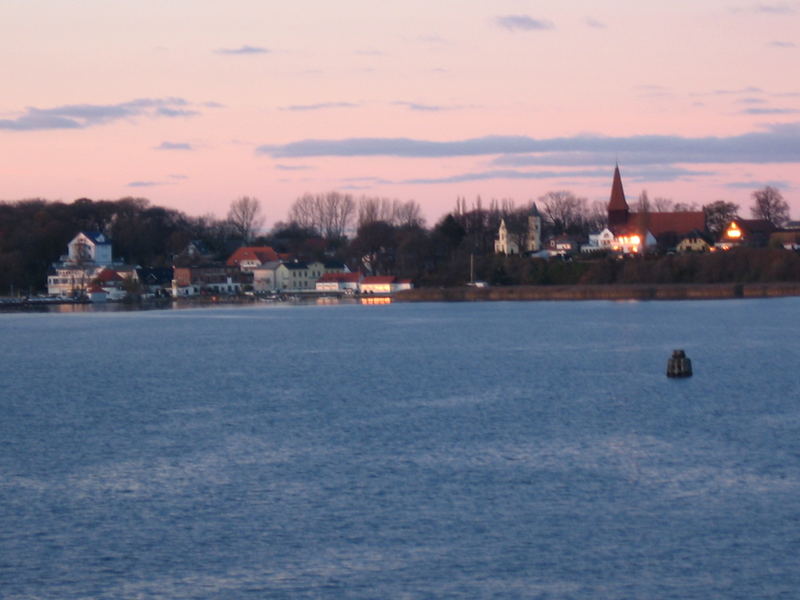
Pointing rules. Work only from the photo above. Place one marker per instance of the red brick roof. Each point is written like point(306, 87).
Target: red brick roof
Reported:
point(659, 223)
point(262, 254)
point(107, 275)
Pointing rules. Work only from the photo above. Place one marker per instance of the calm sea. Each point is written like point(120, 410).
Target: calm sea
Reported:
point(490, 450)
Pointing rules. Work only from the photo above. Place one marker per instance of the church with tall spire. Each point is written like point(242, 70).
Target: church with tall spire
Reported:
point(661, 226)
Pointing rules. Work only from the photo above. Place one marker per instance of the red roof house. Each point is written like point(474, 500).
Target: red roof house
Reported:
point(251, 257)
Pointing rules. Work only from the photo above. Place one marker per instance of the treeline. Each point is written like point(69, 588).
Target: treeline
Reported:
point(35, 233)
point(738, 265)
point(374, 235)
point(390, 236)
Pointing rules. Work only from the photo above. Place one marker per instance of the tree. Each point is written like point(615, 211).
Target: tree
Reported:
point(394, 212)
point(643, 203)
point(768, 204)
point(329, 214)
point(563, 210)
point(662, 204)
point(244, 216)
point(374, 247)
point(718, 214)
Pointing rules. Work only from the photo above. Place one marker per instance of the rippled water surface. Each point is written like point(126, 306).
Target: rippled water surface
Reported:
point(498, 450)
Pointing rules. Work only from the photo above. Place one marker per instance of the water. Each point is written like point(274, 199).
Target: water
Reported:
point(498, 450)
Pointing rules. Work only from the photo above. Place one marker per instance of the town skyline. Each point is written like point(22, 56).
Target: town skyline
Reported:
point(193, 104)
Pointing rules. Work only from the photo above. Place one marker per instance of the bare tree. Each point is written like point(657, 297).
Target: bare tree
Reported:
point(643, 203)
point(597, 216)
point(329, 214)
point(409, 214)
point(394, 212)
point(244, 216)
point(719, 214)
point(663, 204)
point(373, 209)
point(770, 206)
point(563, 210)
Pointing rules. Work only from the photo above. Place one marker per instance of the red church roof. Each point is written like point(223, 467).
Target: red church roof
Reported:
point(622, 221)
point(659, 223)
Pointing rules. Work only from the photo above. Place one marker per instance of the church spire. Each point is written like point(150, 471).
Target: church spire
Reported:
point(618, 209)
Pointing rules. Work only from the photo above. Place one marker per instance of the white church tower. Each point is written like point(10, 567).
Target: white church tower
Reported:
point(534, 241)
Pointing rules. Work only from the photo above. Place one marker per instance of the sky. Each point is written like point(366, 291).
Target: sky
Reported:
point(193, 103)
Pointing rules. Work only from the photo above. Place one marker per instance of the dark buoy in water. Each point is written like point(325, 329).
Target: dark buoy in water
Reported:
point(678, 365)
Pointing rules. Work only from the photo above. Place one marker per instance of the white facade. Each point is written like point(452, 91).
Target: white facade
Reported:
point(534, 241)
point(87, 255)
point(503, 245)
point(287, 276)
point(623, 244)
point(71, 280)
point(90, 248)
point(265, 278)
point(600, 241)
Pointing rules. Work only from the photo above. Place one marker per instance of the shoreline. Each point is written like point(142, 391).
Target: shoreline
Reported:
point(662, 291)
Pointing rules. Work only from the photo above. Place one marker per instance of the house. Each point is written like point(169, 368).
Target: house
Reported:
point(155, 280)
point(216, 279)
point(96, 293)
point(694, 242)
point(294, 276)
point(754, 233)
point(195, 253)
point(603, 241)
point(90, 247)
point(87, 254)
point(562, 245)
point(264, 277)
point(248, 258)
point(384, 284)
point(632, 240)
point(402, 284)
point(666, 228)
point(377, 284)
point(339, 282)
point(111, 283)
point(335, 266)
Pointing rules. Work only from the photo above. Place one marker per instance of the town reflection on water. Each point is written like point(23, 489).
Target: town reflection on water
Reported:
point(376, 300)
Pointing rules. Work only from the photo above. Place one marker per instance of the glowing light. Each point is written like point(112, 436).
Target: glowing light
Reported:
point(635, 239)
point(733, 231)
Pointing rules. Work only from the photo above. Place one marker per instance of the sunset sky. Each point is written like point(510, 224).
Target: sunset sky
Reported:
point(192, 103)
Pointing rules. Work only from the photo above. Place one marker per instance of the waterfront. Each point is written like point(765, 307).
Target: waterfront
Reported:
point(410, 450)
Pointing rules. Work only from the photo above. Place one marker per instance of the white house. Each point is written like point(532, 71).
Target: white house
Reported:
point(384, 284)
point(599, 241)
point(87, 255)
point(627, 242)
point(339, 282)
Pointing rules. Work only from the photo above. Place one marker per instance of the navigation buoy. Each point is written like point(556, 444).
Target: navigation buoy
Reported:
point(678, 365)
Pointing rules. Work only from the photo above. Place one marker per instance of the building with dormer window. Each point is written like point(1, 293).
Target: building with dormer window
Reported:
point(87, 255)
